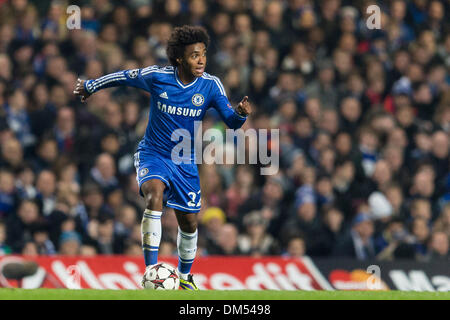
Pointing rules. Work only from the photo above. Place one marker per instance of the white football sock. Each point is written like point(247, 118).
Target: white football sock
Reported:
point(187, 249)
point(151, 235)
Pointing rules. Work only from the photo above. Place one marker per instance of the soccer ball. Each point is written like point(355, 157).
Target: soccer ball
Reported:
point(161, 276)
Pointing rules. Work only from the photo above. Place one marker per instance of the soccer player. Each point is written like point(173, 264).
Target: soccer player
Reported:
point(180, 95)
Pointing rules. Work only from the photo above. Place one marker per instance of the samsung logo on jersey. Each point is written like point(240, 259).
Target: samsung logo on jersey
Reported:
point(179, 111)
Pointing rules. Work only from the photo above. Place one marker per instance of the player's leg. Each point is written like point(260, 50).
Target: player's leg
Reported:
point(185, 198)
point(186, 241)
point(153, 191)
point(187, 247)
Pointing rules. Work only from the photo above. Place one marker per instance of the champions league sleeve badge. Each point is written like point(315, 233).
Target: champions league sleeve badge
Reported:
point(133, 73)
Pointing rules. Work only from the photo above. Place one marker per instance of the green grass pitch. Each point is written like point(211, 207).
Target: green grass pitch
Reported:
point(90, 294)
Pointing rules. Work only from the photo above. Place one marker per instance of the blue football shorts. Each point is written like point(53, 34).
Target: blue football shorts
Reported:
point(182, 180)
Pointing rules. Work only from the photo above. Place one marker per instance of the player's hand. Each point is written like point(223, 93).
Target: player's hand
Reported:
point(80, 90)
point(244, 107)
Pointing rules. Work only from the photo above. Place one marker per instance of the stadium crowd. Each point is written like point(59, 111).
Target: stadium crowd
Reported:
point(364, 120)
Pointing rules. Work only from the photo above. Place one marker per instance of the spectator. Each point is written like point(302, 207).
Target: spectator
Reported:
point(7, 193)
point(295, 247)
point(394, 195)
point(30, 249)
point(239, 191)
point(327, 158)
point(167, 248)
point(133, 248)
point(367, 150)
point(324, 191)
point(93, 201)
point(330, 230)
point(70, 244)
point(212, 219)
point(359, 243)
point(439, 246)
point(382, 175)
point(443, 221)
point(256, 241)
point(18, 119)
point(87, 250)
point(20, 226)
point(421, 208)
point(323, 88)
point(306, 220)
point(422, 145)
point(394, 242)
point(131, 194)
point(108, 241)
point(421, 232)
point(114, 200)
point(394, 156)
point(125, 220)
point(227, 241)
point(46, 191)
point(104, 172)
point(4, 248)
point(46, 155)
point(212, 186)
point(350, 109)
point(43, 113)
point(344, 187)
point(329, 122)
point(42, 241)
point(12, 154)
point(68, 175)
point(440, 152)
point(423, 184)
point(343, 146)
point(273, 20)
point(303, 132)
point(270, 201)
point(65, 130)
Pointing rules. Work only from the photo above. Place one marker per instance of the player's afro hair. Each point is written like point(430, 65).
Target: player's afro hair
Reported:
point(182, 37)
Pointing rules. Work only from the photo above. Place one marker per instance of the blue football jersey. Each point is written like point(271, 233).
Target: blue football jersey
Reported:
point(173, 105)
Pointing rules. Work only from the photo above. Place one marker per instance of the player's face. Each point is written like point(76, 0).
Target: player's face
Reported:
point(195, 59)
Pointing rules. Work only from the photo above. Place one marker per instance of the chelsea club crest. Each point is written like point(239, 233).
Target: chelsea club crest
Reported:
point(197, 99)
point(143, 172)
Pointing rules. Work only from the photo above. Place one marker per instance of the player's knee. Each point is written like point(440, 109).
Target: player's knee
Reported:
point(189, 226)
point(153, 200)
point(154, 197)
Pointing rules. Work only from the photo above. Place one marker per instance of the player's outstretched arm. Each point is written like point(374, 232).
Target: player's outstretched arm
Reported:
point(138, 78)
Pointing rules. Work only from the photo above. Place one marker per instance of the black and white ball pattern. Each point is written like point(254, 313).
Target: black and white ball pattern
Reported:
point(161, 276)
